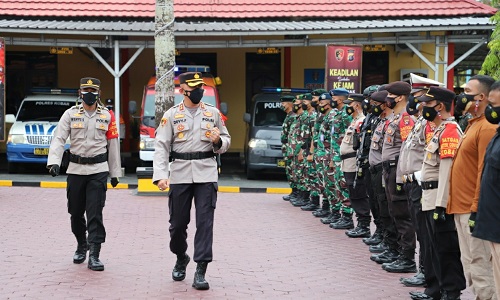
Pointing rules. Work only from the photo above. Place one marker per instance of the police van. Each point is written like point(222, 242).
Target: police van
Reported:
point(263, 135)
point(31, 133)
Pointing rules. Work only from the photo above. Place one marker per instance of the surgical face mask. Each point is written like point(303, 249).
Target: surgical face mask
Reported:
point(195, 95)
point(349, 110)
point(492, 114)
point(90, 97)
point(377, 109)
point(391, 102)
point(429, 113)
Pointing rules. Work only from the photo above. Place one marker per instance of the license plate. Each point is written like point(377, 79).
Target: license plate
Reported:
point(280, 163)
point(41, 151)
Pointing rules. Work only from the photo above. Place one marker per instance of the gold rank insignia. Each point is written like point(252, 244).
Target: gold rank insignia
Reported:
point(102, 126)
point(163, 121)
point(208, 133)
point(202, 105)
point(181, 107)
point(102, 116)
point(207, 114)
point(80, 125)
point(178, 116)
point(429, 156)
point(180, 135)
point(180, 127)
point(77, 115)
point(208, 125)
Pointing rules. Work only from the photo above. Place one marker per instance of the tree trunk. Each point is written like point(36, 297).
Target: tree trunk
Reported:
point(164, 57)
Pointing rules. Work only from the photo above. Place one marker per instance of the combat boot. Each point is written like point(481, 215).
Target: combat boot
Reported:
point(375, 239)
point(81, 250)
point(362, 230)
point(293, 194)
point(401, 265)
point(324, 211)
point(333, 217)
point(379, 248)
point(387, 256)
point(313, 205)
point(414, 281)
point(450, 295)
point(344, 223)
point(298, 198)
point(304, 199)
point(94, 263)
point(179, 271)
point(199, 282)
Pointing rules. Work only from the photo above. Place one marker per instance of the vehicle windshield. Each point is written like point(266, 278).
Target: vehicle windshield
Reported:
point(269, 114)
point(42, 110)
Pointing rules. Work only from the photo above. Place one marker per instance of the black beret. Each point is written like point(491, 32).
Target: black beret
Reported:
point(439, 94)
point(287, 98)
point(379, 96)
point(89, 82)
point(191, 78)
point(399, 88)
point(318, 92)
point(354, 97)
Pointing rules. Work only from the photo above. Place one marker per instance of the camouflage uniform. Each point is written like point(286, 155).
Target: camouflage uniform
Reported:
point(285, 146)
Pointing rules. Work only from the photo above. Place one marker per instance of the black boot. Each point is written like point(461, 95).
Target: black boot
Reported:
point(375, 239)
point(414, 281)
point(199, 282)
point(179, 271)
point(304, 199)
point(94, 263)
point(401, 265)
point(324, 211)
point(450, 295)
point(388, 256)
point(293, 194)
point(344, 223)
point(81, 251)
point(333, 217)
point(362, 230)
point(313, 205)
point(379, 248)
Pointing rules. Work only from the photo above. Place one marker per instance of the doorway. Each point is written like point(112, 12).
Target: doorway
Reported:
point(375, 68)
point(262, 70)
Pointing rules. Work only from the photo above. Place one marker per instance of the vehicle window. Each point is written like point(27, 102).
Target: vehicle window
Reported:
point(269, 114)
point(42, 110)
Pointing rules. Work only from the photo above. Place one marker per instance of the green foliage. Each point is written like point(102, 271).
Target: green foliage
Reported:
point(491, 64)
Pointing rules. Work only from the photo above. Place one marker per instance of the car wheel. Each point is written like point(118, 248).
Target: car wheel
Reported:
point(251, 174)
point(12, 168)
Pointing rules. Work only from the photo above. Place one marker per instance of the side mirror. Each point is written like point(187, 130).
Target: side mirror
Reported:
point(132, 107)
point(223, 108)
point(10, 118)
point(247, 118)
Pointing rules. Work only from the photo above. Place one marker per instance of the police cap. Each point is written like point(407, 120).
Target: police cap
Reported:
point(438, 93)
point(354, 98)
point(318, 92)
point(90, 82)
point(419, 83)
point(287, 98)
point(192, 79)
point(339, 92)
point(399, 88)
point(379, 96)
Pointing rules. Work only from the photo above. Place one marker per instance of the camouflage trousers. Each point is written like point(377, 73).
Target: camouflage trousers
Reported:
point(289, 172)
point(336, 189)
point(298, 171)
point(313, 181)
point(321, 165)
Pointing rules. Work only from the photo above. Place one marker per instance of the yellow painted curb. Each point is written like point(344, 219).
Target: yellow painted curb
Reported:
point(118, 186)
point(5, 182)
point(278, 190)
point(229, 189)
point(145, 185)
point(53, 184)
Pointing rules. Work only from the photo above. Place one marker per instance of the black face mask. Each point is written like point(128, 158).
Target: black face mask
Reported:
point(314, 103)
point(461, 102)
point(492, 114)
point(377, 110)
point(349, 110)
point(411, 110)
point(323, 109)
point(195, 95)
point(296, 107)
point(333, 104)
point(412, 101)
point(90, 97)
point(429, 113)
point(391, 102)
point(304, 106)
point(366, 106)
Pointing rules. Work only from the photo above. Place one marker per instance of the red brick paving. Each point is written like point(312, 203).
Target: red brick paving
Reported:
point(263, 249)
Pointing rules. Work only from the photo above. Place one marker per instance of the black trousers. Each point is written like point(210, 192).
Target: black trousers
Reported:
point(445, 253)
point(358, 196)
point(390, 233)
point(87, 195)
point(414, 195)
point(180, 198)
point(398, 208)
point(372, 200)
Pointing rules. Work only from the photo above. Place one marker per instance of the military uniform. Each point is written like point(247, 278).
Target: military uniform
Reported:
point(94, 155)
point(285, 131)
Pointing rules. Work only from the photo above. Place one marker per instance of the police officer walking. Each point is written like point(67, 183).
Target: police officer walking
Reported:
point(94, 155)
point(192, 133)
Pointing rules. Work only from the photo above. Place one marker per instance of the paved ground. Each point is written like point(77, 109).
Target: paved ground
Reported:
point(263, 249)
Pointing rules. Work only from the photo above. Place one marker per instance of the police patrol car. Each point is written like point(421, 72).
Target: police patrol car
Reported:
point(36, 120)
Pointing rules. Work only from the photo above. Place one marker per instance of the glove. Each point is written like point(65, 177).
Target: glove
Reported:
point(54, 170)
point(439, 214)
point(472, 221)
point(114, 181)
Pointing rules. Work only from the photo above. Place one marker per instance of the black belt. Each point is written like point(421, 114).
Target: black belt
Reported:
point(348, 155)
point(376, 168)
point(389, 164)
point(429, 185)
point(88, 160)
point(192, 155)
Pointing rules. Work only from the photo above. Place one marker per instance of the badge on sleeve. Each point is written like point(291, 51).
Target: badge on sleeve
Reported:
point(449, 141)
point(163, 122)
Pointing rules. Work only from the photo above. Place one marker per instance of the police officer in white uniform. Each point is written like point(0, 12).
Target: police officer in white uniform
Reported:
point(94, 155)
point(191, 133)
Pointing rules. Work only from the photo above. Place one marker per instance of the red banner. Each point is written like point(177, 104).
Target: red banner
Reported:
point(2, 89)
point(343, 67)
